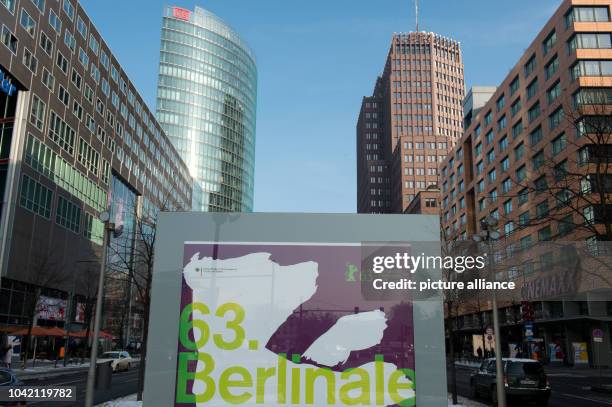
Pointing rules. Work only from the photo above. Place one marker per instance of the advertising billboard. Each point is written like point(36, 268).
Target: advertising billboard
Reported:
point(284, 321)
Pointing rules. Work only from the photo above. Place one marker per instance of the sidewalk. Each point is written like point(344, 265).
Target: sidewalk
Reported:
point(128, 401)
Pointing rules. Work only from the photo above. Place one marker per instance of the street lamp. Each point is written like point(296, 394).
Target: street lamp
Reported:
point(91, 375)
point(489, 233)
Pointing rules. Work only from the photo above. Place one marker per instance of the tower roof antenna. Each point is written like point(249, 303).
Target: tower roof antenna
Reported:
point(416, 9)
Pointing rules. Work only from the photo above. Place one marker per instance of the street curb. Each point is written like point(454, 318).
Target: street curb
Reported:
point(602, 389)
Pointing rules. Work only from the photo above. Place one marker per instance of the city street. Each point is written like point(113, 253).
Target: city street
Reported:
point(569, 388)
point(123, 384)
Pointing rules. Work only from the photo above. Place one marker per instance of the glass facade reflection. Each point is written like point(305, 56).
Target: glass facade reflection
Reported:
point(206, 103)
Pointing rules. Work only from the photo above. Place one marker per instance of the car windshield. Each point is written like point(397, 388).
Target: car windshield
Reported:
point(526, 368)
point(110, 355)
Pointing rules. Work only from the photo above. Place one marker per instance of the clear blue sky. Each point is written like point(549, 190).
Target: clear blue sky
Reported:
point(316, 59)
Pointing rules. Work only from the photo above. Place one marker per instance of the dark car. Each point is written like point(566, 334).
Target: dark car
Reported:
point(8, 378)
point(523, 379)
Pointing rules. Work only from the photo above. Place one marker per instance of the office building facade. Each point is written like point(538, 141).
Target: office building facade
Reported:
point(529, 159)
point(407, 126)
point(77, 140)
point(207, 103)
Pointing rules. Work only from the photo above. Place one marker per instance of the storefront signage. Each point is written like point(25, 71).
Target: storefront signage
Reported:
point(598, 335)
point(6, 85)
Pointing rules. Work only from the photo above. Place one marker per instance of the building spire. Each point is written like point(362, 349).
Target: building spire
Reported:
point(416, 9)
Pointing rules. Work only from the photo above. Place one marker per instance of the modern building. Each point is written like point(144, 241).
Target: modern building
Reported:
point(412, 119)
point(207, 103)
point(475, 99)
point(532, 157)
point(76, 140)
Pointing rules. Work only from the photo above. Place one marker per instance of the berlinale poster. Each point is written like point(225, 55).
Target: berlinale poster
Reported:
point(286, 324)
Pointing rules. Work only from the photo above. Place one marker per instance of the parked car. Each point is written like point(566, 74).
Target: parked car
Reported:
point(523, 379)
point(119, 360)
point(8, 378)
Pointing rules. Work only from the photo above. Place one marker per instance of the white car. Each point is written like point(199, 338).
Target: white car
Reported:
point(120, 360)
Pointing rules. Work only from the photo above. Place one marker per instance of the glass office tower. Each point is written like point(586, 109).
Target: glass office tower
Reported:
point(206, 103)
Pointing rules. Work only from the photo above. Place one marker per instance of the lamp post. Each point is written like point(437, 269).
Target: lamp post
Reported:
point(488, 233)
point(91, 375)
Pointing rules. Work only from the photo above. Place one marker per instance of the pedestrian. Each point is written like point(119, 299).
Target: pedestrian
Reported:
point(8, 355)
point(479, 352)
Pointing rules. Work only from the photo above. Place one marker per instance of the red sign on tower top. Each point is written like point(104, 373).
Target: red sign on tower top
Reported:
point(181, 13)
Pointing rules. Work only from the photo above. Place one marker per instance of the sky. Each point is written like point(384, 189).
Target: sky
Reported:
point(316, 59)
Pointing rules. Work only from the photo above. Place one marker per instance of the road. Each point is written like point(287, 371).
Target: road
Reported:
point(569, 389)
point(122, 384)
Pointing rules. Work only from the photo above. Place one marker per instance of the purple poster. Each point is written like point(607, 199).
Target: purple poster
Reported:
point(286, 324)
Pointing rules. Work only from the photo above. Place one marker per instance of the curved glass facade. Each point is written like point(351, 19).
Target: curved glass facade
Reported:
point(206, 103)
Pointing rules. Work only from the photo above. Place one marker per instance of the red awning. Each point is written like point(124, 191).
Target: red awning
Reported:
point(40, 331)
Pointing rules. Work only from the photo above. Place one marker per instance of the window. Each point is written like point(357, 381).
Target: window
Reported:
point(549, 42)
point(555, 118)
point(501, 123)
point(523, 196)
point(538, 160)
point(592, 96)
point(69, 40)
point(490, 156)
point(488, 118)
point(30, 61)
point(509, 228)
point(61, 133)
point(40, 5)
point(37, 112)
point(519, 151)
point(104, 61)
point(551, 67)
point(492, 175)
point(479, 168)
point(55, 21)
point(506, 185)
point(530, 65)
point(544, 234)
point(27, 23)
point(534, 112)
point(540, 184)
point(514, 85)
point(94, 45)
point(84, 58)
point(63, 95)
point(45, 43)
point(68, 214)
point(88, 156)
point(503, 143)
point(493, 195)
point(559, 144)
point(9, 40)
point(591, 68)
point(536, 136)
point(566, 225)
point(517, 129)
point(489, 137)
point(69, 9)
point(586, 13)
point(560, 171)
point(35, 197)
point(542, 210)
point(9, 4)
point(521, 173)
point(524, 219)
point(47, 79)
point(515, 107)
point(553, 92)
point(81, 27)
point(76, 79)
point(77, 110)
point(532, 88)
point(62, 62)
point(478, 149)
point(501, 102)
point(590, 41)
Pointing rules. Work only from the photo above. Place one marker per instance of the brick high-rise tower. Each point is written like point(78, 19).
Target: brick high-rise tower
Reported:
point(411, 121)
